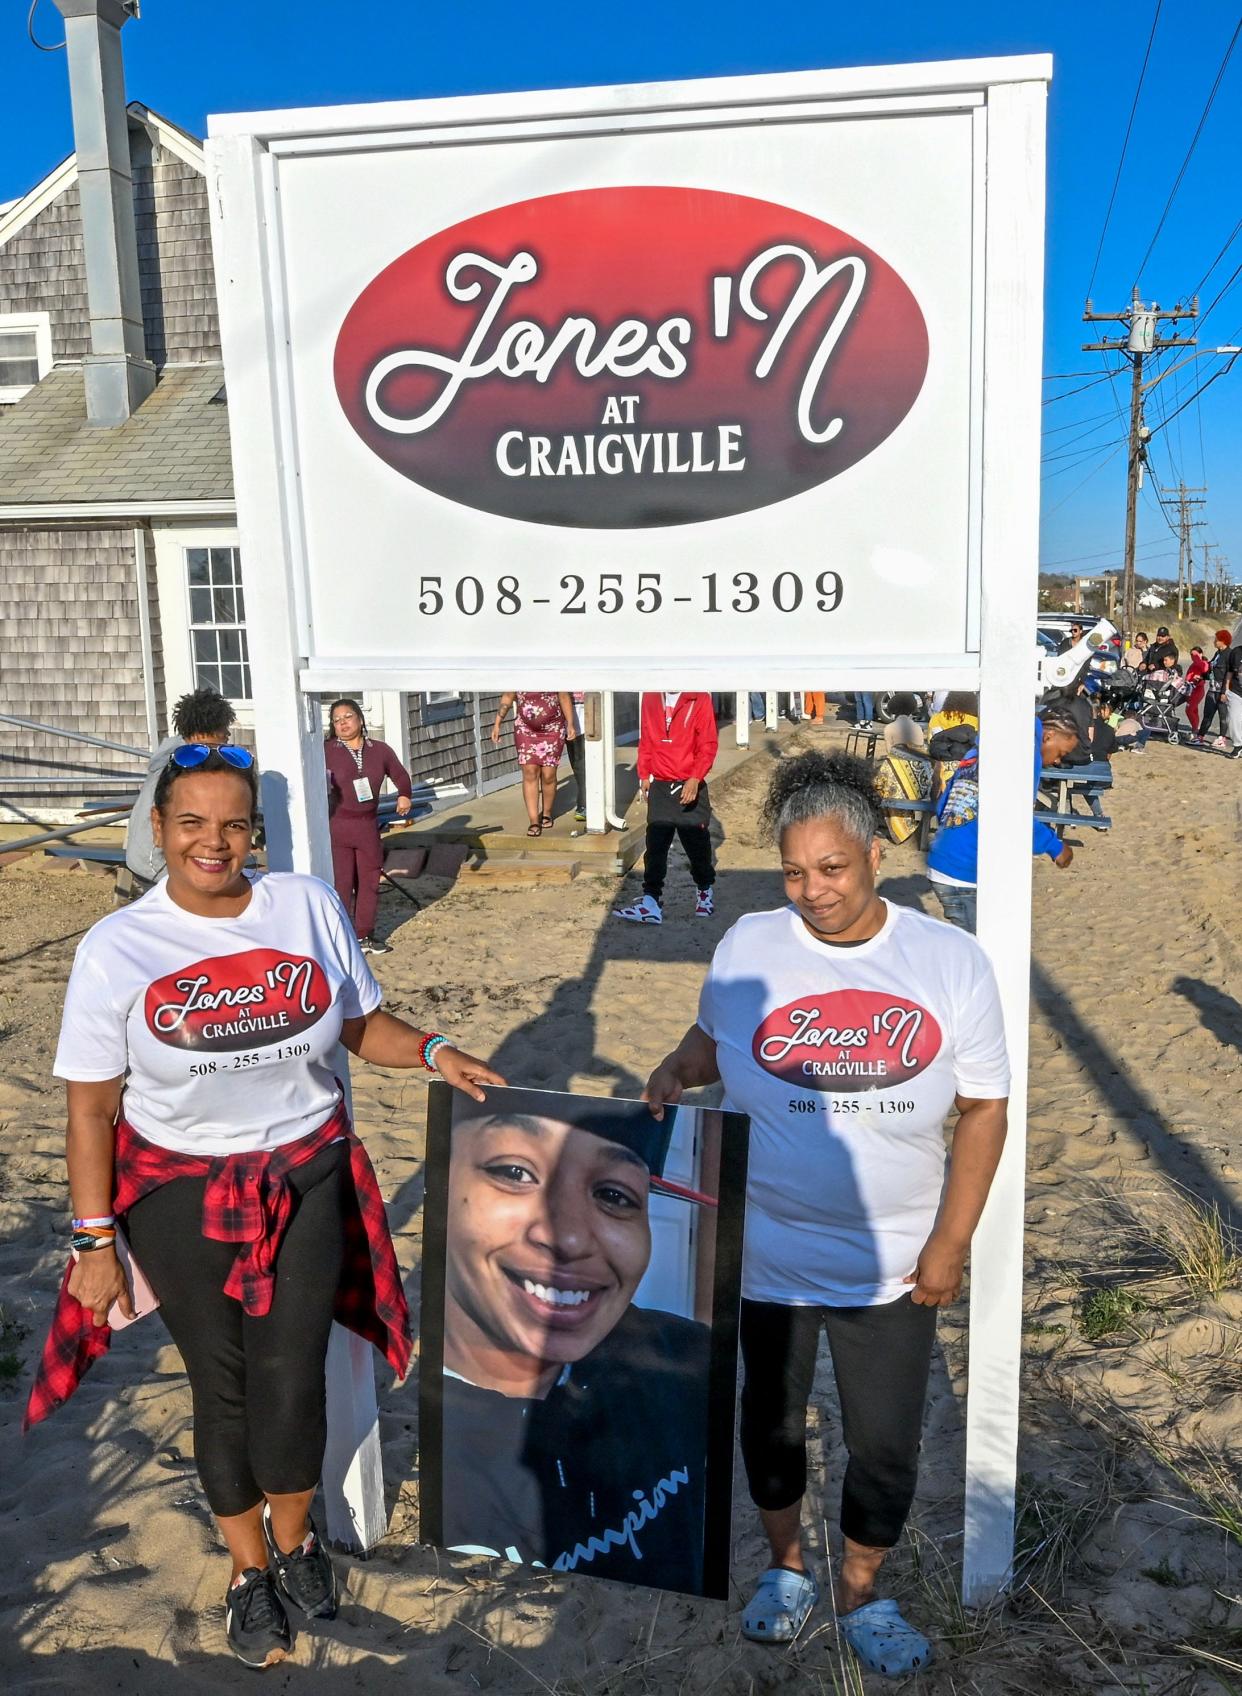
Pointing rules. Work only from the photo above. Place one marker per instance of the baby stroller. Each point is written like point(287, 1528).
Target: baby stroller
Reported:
point(1159, 702)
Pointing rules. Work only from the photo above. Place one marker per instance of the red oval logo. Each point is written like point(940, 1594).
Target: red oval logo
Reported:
point(628, 357)
point(849, 1040)
point(237, 1001)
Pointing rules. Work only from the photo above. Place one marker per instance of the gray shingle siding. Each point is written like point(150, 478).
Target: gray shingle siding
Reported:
point(71, 653)
point(43, 268)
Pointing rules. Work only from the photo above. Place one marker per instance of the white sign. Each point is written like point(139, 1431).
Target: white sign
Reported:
point(552, 389)
point(654, 387)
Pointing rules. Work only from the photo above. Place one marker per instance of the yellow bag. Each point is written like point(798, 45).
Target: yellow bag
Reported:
point(903, 777)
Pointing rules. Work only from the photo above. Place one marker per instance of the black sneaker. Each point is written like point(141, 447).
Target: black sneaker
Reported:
point(255, 1621)
point(305, 1576)
point(373, 945)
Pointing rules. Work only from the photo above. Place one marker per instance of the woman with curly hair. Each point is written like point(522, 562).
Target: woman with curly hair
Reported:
point(848, 1029)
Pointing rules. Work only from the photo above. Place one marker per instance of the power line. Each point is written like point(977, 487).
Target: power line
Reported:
point(1202, 389)
point(1067, 393)
point(1124, 145)
point(1233, 236)
point(1108, 553)
point(1084, 482)
point(1064, 449)
point(1222, 293)
point(1055, 429)
point(1194, 142)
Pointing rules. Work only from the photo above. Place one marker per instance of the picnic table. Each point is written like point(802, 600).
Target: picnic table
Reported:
point(1064, 782)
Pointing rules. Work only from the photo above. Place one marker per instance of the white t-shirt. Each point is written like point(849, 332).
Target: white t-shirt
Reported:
point(227, 1028)
point(847, 1060)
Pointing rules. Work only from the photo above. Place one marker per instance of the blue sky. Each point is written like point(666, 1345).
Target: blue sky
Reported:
point(274, 54)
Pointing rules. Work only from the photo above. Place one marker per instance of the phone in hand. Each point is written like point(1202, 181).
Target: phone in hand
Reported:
point(142, 1297)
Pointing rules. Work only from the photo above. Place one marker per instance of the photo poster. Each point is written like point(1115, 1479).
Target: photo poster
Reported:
point(581, 1287)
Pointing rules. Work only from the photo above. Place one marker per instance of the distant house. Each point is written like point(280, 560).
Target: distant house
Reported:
point(122, 582)
point(1151, 601)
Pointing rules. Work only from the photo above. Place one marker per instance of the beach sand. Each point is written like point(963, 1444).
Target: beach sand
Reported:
point(111, 1577)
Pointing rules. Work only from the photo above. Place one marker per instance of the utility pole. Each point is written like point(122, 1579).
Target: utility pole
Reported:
point(1185, 543)
point(1142, 338)
point(1209, 548)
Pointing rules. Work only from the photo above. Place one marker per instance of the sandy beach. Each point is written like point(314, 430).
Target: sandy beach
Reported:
point(1130, 1535)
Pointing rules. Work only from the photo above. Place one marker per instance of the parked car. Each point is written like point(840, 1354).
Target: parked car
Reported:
point(1052, 631)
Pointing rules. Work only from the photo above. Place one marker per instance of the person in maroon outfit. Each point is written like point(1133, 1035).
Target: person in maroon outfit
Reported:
point(357, 767)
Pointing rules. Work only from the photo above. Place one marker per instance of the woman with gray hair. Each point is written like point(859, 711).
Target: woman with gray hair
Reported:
point(848, 1029)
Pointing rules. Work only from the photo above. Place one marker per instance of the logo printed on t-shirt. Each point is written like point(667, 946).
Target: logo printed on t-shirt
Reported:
point(237, 1001)
point(848, 1040)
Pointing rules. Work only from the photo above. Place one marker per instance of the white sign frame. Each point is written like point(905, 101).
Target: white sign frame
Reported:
point(1007, 100)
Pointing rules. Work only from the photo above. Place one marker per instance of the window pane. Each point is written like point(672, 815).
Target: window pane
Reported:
point(245, 646)
point(222, 565)
point(244, 693)
point(207, 677)
point(230, 645)
point(18, 344)
point(205, 645)
point(223, 606)
point(241, 604)
point(17, 373)
point(231, 681)
point(200, 606)
point(196, 564)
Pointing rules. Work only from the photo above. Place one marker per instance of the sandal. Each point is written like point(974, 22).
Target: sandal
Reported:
point(883, 1641)
point(780, 1605)
point(547, 821)
point(534, 830)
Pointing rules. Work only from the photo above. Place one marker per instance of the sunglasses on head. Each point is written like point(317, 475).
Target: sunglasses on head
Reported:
point(193, 754)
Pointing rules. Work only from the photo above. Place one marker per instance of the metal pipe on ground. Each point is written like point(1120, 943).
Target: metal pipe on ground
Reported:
point(63, 831)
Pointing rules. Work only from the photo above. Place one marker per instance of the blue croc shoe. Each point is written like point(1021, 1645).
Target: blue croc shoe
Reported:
point(883, 1641)
point(780, 1605)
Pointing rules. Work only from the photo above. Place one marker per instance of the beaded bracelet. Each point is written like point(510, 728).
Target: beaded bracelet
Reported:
point(427, 1049)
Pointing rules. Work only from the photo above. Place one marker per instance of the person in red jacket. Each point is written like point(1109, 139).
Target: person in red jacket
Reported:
point(357, 767)
point(676, 750)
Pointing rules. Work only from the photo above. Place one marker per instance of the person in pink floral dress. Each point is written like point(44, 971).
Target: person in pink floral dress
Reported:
point(542, 724)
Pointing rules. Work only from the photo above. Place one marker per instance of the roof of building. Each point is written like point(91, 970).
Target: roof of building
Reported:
point(175, 447)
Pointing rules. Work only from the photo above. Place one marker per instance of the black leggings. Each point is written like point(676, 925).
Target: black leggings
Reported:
point(695, 839)
point(881, 1357)
point(258, 1384)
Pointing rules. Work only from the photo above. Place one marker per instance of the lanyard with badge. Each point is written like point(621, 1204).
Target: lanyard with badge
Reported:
point(362, 785)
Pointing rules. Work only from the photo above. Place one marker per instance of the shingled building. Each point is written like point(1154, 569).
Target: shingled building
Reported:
point(122, 582)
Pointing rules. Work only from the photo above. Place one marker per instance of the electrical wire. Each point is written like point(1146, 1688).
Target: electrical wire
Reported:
point(1085, 481)
point(1194, 142)
point(1220, 295)
point(1124, 145)
point(1067, 393)
point(1233, 236)
point(1202, 389)
point(43, 46)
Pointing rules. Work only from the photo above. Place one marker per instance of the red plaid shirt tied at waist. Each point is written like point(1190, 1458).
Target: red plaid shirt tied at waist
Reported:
point(248, 1201)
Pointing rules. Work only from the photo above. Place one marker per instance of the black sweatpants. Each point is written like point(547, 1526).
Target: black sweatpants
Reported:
point(695, 839)
point(257, 1384)
point(881, 1357)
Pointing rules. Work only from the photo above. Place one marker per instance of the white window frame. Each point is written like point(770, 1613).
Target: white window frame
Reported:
point(233, 547)
point(439, 705)
point(41, 324)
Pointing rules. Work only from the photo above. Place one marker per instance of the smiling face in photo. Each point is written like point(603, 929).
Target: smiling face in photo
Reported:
point(548, 1238)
